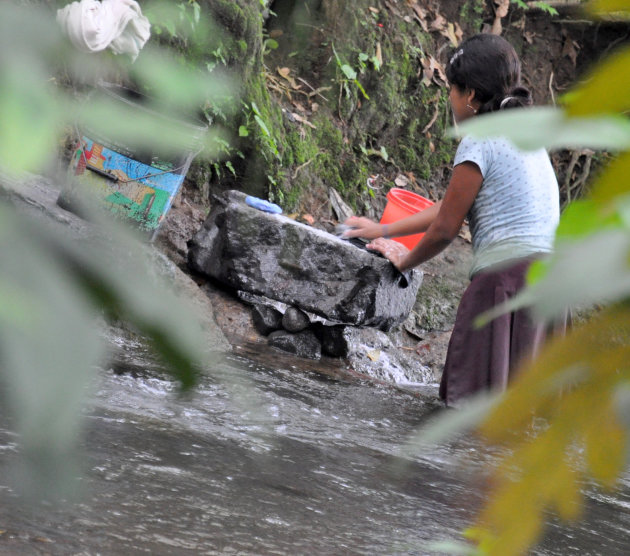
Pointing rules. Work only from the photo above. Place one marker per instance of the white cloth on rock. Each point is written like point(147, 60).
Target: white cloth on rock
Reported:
point(93, 25)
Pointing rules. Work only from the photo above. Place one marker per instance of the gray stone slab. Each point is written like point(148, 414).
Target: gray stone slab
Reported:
point(277, 257)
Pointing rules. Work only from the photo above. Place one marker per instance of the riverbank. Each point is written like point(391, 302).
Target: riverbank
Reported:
point(228, 322)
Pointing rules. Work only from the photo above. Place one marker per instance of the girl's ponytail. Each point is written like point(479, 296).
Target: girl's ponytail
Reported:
point(517, 97)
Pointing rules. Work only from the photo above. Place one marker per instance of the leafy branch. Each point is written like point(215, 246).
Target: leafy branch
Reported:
point(566, 417)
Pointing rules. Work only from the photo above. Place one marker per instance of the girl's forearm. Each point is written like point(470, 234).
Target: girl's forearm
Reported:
point(414, 224)
point(430, 245)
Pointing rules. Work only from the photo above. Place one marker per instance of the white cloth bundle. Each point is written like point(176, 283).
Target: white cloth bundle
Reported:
point(93, 26)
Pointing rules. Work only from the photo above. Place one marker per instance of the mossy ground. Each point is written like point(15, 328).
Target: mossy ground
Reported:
point(387, 121)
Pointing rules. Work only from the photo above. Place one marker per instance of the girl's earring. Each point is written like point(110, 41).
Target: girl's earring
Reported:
point(474, 110)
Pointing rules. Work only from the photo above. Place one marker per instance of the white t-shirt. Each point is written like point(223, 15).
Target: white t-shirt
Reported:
point(516, 211)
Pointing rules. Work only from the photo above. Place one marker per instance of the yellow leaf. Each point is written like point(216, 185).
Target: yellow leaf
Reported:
point(598, 8)
point(481, 537)
point(605, 91)
point(374, 355)
point(568, 394)
point(606, 444)
point(521, 532)
point(533, 478)
point(568, 497)
point(614, 180)
point(538, 384)
point(510, 498)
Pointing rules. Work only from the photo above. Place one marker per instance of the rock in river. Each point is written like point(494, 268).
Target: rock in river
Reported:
point(317, 272)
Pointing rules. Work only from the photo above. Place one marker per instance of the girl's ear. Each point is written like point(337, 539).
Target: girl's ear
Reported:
point(470, 97)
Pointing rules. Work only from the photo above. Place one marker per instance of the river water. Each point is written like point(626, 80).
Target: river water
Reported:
point(269, 461)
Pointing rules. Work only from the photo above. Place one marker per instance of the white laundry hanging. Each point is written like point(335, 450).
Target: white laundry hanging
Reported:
point(93, 25)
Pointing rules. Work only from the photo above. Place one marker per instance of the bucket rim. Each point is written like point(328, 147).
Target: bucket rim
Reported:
point(398, 195)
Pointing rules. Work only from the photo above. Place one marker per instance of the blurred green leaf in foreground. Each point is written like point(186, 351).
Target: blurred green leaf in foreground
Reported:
point(54, 289)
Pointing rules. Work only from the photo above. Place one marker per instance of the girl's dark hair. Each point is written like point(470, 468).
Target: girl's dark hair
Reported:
point(489, 65)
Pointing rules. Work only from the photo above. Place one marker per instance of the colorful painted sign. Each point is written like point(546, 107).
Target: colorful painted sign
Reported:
point(127, 187)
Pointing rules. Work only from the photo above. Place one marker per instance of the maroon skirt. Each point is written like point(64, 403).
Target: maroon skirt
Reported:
point(485, 358)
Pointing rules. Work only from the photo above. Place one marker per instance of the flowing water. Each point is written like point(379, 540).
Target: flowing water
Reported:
point(269, 461)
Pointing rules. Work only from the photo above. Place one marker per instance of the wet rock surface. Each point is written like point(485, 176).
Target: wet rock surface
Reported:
point(334, 342)
point(274, 256)
point(295, 320)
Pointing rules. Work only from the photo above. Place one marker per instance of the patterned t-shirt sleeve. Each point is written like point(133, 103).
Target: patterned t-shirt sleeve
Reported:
point(473, 150)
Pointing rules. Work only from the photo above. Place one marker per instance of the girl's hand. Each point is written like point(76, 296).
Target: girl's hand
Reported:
point(390, 249)
point(362, 227)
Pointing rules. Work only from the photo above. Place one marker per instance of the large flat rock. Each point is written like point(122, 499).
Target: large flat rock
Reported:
point(275, 256)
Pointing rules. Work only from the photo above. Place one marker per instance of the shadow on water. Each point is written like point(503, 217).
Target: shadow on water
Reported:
point(262, 461)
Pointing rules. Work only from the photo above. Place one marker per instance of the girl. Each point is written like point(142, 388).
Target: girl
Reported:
point(511, 200)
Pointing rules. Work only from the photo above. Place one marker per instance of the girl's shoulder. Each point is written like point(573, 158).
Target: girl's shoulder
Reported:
point(486, 142)
point(474, 146)
point(495, 146)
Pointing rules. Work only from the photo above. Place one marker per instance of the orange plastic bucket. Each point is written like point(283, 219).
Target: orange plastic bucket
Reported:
point(400, 204)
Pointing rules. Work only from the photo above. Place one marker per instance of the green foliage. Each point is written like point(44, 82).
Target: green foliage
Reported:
point(269, 45)
point(347, 76)
point(170, 18)
point(385, 64)
point(54, 291)
point(553, 128)
point(544, 6)
point(264, 130)
point(472, 12)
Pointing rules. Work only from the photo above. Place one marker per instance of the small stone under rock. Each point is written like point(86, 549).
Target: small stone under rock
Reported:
point(302, 344)
point(266, 319)
point(295, 320)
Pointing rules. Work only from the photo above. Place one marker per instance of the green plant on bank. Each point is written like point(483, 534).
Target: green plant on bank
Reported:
point(347, 76)
point(382, 152)
point(176, 21)
point(542, 5)
point(265, 132)
point(364, 58)
point(320, 158)
point(472, 12)
point(269, 44)
point(196, 42)
point(565, 421)
point(226, 151)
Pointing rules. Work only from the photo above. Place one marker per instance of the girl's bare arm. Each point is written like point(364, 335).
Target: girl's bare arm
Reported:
point(414, 224)
point(459, 197)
